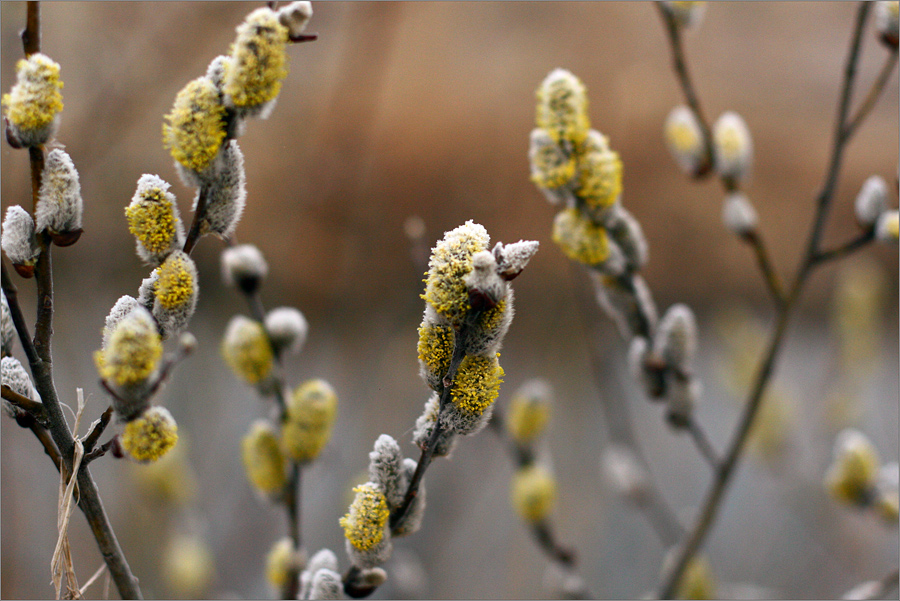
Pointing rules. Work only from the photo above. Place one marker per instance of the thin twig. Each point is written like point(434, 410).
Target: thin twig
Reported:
point(18, 319)
point(688, 548)
point(702, 441)
point(31, 35)
point(773, 282)
point(199, 214)
point(681, 70)
point(97, 429)
point(874, 92)
point(845, 249)
point(34, 408)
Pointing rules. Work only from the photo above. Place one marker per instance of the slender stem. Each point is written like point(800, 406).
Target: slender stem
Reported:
point(845, 249)
point(773, 283)
point(199, 214)
point(874, 92)
point(681, 70)
point(31, 35)
point(702, 441)
point(18, 319)
point(97, 429)
point(32, 407)
point(688, 548)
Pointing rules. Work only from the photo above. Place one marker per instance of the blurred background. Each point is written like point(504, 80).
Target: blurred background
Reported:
point(404, 114)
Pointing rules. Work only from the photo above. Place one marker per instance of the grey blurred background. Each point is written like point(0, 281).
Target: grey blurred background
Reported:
point(423, 110)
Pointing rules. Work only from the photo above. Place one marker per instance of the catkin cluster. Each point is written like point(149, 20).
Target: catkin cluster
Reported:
point(857, 478)
point(468, 310)
point(575, 167)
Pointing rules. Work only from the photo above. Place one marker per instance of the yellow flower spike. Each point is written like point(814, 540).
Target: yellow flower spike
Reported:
point(151, 435)
point(477, 384)
point(246, 349)
point(697, 581)
point(311, 411)
point(533, 493)
point(529, 412)
point(732, 146)
point(579, 238)
point(153, 220)
point(195, 126)
point(435, 350)
point(451, 261)
point(551, 167)
point(263, 460)
point(281, 562)
point(176, 285)
point(852, 476)
point(133, 352)
point(562, 107)
point(189, 567)
point(364, 524)
point(35, 100)
point(258, 62)
point(599, 178)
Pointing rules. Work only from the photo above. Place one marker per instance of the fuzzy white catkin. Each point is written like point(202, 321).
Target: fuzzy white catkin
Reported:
point(295, 16)
point(386, 469)
point(871, 201)
point(887, 20)
point(226, 192)
point(627, 234)
point(738, 214)
point(625, 473)
point(19, 242)
point(326, 585)
point(676, 337)
point(59, 206)
point(324, 559)
point(412, 521)
point(287, 328)
point(15, 376)
point(125, 305)
point(243, 264)
point(629, 309)
point(732, 146)
point(512, 258)
point(6, 327)
point(684, 139)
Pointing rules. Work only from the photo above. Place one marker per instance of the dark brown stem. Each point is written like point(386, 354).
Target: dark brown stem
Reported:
point(773, 283)
point(15, 312)
point(32, 407)
point(681, 70)
point(706, 517)
point(845, 249)
point(874, 92)
point(99, 451)
point(31, 35)
point(97, 429)
point(199, 214)
point(303, 37)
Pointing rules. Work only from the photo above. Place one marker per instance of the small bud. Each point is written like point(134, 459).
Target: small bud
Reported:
point(529, 411)
point(424, 429)
point(871, 201)
point(562, 107)
point(15, 376)
point(676, 338)
point(263, 460)
point(258, 63)
point(366, 527)
point(886, 228)
point(322, 560)
point(684, 139)
point(626, 473)
point(226, 192)
point(551, 167)
point(246, 349)
point(697, 581)
point(153, 220)
point(852, 475)
point(311, 411)
point(887, 16)
point(327, 585)
point(533, 493)
point(287, 328)
point(512, 258)
point(687, 15)
point(627, 301)
point(484, 280)
point(7, 328)
point(195, 127)
point(129, 360)
point(282, 563)
point(150, 436)
point(386, 469)
point(19, 242)
point(189, 567)
point(626, 233)
point(738, 214)
point(450, 262)
point(59, 208)
point(34, 103)
point(187, 342)
point(244, 266)
point(175, 293)
point(732, 146)
point(475, 388)
point(295, 16)
point(580, 239)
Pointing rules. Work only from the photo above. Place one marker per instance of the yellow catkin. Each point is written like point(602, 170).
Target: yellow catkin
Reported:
point(263, 460)
point(175, 286)
point(151, 435)
point(435, 349)
point(697, 581)
point(451, 261)
point(258, 62)
point(477, 384)
point(311, 410)
point(247, 351)
point(579, 238)
point(152, 221)
point(599, 178)
point(35, 99)
point(533, 493)
point(550, 167)
point(526, 418)
point(132, 354)
point(281, 562)
point(364, 523)
point(852, 475)
point(562, 107)
point(189, 567)
point(195, 126)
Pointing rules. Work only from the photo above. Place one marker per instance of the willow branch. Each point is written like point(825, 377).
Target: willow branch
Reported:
point(32, 407)
point(845, 249)
point(701, 440)
point(770, 276)
point(705, 519)
point(874, 92)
